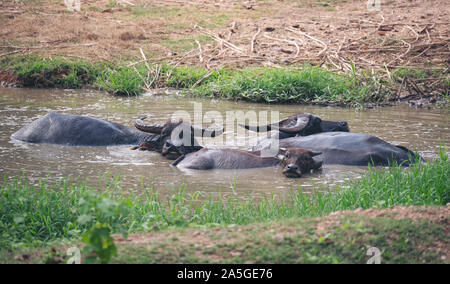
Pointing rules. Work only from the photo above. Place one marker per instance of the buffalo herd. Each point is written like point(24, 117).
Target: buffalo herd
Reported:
point(304, 143)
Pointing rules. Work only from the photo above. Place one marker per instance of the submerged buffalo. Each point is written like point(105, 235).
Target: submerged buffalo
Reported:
point(183, 133)
point(77, 130)
point(352, 149)
point(294, 161)
point(302, 124)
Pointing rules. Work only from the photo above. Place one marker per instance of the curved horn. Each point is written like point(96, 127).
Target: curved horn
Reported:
point(259, 128)
point(313, 154)
point(202, 131)
point(151, 128)
point(301, 123)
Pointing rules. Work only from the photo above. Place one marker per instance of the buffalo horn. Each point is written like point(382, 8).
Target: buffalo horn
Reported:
point(202, 131)
point(302, 122)
point(151, 128)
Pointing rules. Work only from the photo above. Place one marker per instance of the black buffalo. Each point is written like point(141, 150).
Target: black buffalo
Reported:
point(77, 130)
point(352, 149)
point(302, 124)
point(294, 161)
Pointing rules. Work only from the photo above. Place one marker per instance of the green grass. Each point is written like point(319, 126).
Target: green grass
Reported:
point(307, 84)
point(185, 16)
point(122, 81)
point(343, 239)
point(111, 4)
point(35, 215)
point(155, 12)
point(270, 85)
point(297, 240)
point(401, 73)
point(423, 74)
point(184, 44)
point(327, 4)
point(304, 84)
point(187, 77)
point(34, 71)
point(93, 8)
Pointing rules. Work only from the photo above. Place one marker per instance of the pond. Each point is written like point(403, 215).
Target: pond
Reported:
point(423, 130)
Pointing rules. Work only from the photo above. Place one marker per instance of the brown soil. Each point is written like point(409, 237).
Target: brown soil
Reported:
point(8, 80)
point(401, 212)
point(227, 32)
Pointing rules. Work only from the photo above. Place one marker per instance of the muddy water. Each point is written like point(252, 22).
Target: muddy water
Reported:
point(423, 130)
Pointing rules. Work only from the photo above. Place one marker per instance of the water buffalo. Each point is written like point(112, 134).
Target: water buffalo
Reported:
point(294, 161)
point(302, 124)
point(352, 149)
point(181, 137)
point(77, 130)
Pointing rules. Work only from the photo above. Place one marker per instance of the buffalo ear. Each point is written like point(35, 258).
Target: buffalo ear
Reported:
point(177, 161)
point(313, 154)
point(317, 165)
point(282, 153)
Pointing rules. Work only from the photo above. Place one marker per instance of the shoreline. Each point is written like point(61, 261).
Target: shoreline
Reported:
point(300, 85)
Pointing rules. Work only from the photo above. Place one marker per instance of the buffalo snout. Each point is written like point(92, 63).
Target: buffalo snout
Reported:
point(333, 126)
point(297, 161)
point(146, 146)
point(170, 151)
point(292, 171)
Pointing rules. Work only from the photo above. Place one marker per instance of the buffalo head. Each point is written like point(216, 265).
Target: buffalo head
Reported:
point(174, 139)
point(333, 126)
point(297, 161)
point(302, 124)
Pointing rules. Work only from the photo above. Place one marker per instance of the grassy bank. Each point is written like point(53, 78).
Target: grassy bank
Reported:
point(402, 235)
point(304, 84)
point(33, 216)
point(294, 84)
point(345, 238)
point(36, 72)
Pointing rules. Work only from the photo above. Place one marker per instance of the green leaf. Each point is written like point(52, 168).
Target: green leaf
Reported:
point(99, 243)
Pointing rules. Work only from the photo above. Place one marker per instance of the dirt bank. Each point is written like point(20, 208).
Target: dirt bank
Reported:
point(403, 45)
point(233, 32)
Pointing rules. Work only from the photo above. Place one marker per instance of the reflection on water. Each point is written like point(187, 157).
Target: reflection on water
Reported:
point(423, 130)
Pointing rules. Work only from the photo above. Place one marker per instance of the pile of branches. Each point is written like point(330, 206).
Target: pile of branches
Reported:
point(377, 47)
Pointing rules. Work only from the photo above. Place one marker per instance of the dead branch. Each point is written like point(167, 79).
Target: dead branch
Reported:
point(321, 43)
point(200, 56)
point(203, 78)
point(287, 41)
point(253, 40)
